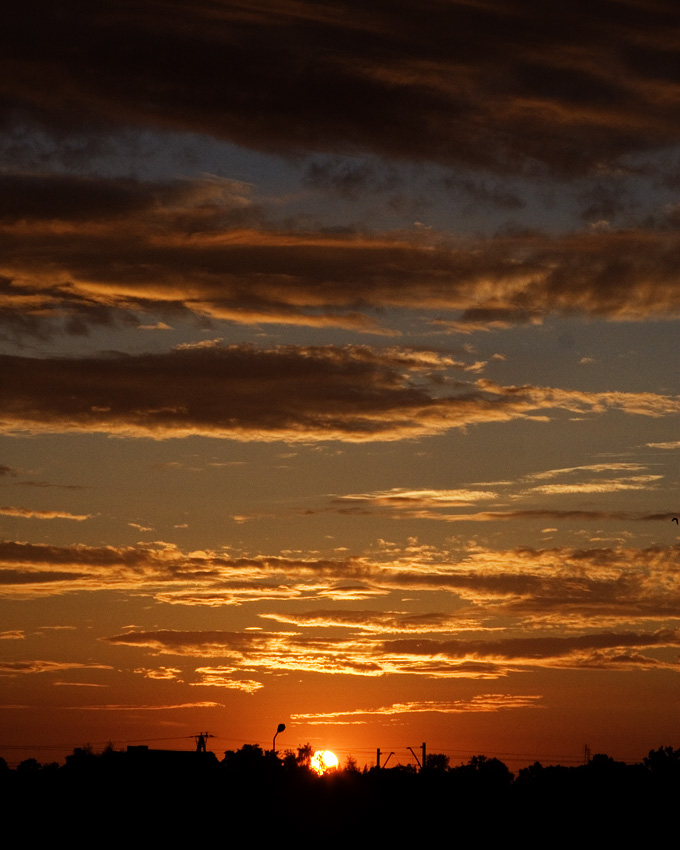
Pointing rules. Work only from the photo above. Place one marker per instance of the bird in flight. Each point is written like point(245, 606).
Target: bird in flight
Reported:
point(675, 520)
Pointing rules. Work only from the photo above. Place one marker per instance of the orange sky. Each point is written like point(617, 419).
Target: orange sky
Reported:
point(338, 377)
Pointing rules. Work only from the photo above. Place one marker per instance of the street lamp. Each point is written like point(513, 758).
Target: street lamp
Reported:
point(279, 728)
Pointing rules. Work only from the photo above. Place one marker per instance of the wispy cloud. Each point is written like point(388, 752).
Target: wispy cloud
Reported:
point(399, 497)
point(13, 634)
point(481, 703)
point(28, 513)
point(171, 707)
point(162, 673)
point(12, 668)
point(220, 677)
point(378, 621)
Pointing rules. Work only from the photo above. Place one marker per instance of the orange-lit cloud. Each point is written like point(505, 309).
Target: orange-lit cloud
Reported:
point(400, 497)
point(599, 485)
point(202, 248)
point(628, 583)
point(220, 677)
point(377, 621)
point(162, 673)
point(196, 260)
point(32, 514)
point(353, 393)
point(361, 656)
point(184, 705)
point(479, 703)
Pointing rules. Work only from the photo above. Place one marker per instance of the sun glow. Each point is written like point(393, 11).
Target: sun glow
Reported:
point(323, 761)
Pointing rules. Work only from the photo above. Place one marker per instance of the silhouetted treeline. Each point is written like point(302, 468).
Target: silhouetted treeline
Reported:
point(164, 795)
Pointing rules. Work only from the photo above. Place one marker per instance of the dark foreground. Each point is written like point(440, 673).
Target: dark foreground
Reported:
point(256, 797)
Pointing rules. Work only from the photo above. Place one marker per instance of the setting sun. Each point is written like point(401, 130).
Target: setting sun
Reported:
point(323, 761)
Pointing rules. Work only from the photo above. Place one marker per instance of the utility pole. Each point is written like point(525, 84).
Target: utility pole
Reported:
point(377, 758)
point(201, 740)
point(424, 758)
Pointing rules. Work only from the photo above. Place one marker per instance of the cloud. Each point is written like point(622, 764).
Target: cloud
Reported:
point(498, 86)
point(599, 485)
point(399, 497)
point(98, 252)
point(510, 609)
point(551, 589)
point(26, 513)
point(545, 650)
point(201, 578)
point(268, 651)
point(162, 673)
point(219, 677)
point(502, 516)
point(481, 703)
point(171, 707)
point(363, 656)
point(12, 668)
point(292, 393)
point(377, 621)
point(590, 467)
point(12, 634)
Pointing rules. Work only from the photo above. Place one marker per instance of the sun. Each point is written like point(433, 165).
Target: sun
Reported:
point(323, 761)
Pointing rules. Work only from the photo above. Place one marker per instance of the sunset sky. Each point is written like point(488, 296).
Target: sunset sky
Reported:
point(339, 376)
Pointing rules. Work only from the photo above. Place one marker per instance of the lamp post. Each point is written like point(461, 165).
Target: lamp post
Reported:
point(279, 728)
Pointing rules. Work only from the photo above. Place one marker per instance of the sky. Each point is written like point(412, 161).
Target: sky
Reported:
point(339, 376)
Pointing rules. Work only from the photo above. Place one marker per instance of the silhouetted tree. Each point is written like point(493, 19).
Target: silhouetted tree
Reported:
point(664, 763)
point(250, 760)
point(437, 762)
point(304, 755)
point(351, 765)
point(490, 772)
point(29, 766)
point(532, 774)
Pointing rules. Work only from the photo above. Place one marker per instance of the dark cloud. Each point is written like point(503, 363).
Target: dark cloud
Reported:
point(353, 393)
point(72, 199)
point(350, 178)
point(81, 253)
point(615, 650)
point(498, 85)
point(527, 648)
point(486, 192)
point(12, 668)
